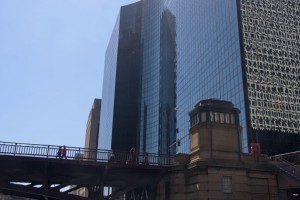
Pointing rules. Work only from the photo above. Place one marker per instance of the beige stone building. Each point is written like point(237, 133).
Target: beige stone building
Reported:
point(91, 139)
point(92, 126)
point(9, 197)
point(216, 168)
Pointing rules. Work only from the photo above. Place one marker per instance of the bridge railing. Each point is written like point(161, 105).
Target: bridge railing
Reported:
point(293, 157)
point(84, 154)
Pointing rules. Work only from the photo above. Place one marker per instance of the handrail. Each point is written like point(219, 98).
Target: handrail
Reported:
point(287, 167)
point(83, 154)
point(291, 157)
point(286, 154)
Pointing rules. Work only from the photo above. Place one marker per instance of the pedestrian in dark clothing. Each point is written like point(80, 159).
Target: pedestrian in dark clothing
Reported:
point(132, 157)
point(64, 152)
point(145, 158)
point(111, 156)
point(58, 154)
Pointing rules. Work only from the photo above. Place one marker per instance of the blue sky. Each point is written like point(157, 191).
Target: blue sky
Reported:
point(51, 67)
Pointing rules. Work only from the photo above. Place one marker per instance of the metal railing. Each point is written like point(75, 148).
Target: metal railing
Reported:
point(289, 163)
point(84, 154)
point(293, 157)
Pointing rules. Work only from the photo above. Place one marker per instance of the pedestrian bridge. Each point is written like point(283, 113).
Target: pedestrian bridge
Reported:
point(44, 175)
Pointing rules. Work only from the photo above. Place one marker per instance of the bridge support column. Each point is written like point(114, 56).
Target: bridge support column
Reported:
point(283, 194)
point(96, 192)
point(46, 183)
point(152, 195)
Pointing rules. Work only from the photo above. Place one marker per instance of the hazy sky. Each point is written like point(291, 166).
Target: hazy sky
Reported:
point(51, 67)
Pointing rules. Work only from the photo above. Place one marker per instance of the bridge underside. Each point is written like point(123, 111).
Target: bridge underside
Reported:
point(56, 178)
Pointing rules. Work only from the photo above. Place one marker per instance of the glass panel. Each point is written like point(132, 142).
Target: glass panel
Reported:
point(227, 184)
point(211, 116)
point(227, 119)
point(217, 116)
point(193, 120)
point(232, 118)
point(203, 116)
point(222, 118)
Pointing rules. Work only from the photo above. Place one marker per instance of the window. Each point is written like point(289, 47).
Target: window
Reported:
point(217, 117)
point(211, 116)
point(222, 118)
point(227, 119)
point(203, 116)
point(232, 118)
point(227, 184)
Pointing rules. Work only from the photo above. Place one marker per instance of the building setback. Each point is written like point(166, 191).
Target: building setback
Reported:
point(243, 51)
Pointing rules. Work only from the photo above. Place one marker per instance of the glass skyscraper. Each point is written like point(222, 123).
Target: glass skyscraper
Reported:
point(243, 51)
point(121, 84)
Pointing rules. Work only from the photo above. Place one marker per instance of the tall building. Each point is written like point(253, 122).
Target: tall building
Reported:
point(121, 84)
point(92, 126)
point(158, 93)
point(91, 139)
point(243, 51)
point(271, 70)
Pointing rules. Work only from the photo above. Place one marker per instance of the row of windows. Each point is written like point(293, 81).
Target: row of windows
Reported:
point(218, 117)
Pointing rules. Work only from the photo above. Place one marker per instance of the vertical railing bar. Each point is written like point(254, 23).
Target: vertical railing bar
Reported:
point(15, 149)
point(79, 154)
point(48, 151)
point(29, 150)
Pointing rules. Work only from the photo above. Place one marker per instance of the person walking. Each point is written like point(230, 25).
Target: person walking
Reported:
point(58, 154)
point(145, 158)
point(111, 156)
point(132, 155)
point(64, 152)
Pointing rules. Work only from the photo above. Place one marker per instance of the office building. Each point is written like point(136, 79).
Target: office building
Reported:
point(243, 51)
point(91, 139)
point(121, 84)
point(92, 126)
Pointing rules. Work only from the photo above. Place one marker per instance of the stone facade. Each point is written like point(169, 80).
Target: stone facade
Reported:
point(91, 139)
point(216, 168)
point(9, 197)
point(215, 179)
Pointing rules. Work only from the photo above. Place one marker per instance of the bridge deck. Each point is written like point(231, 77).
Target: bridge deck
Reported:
point(84, 154)
point(39, 165)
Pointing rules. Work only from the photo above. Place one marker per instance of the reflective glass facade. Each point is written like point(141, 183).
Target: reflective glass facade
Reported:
point(208, 59)
point(158, 97)
point(207, 63)
point(108, 90)
point(243, 51)
point(121, 86)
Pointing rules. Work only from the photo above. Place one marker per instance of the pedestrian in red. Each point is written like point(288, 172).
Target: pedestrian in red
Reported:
point(145, 158)
point(64, 152)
